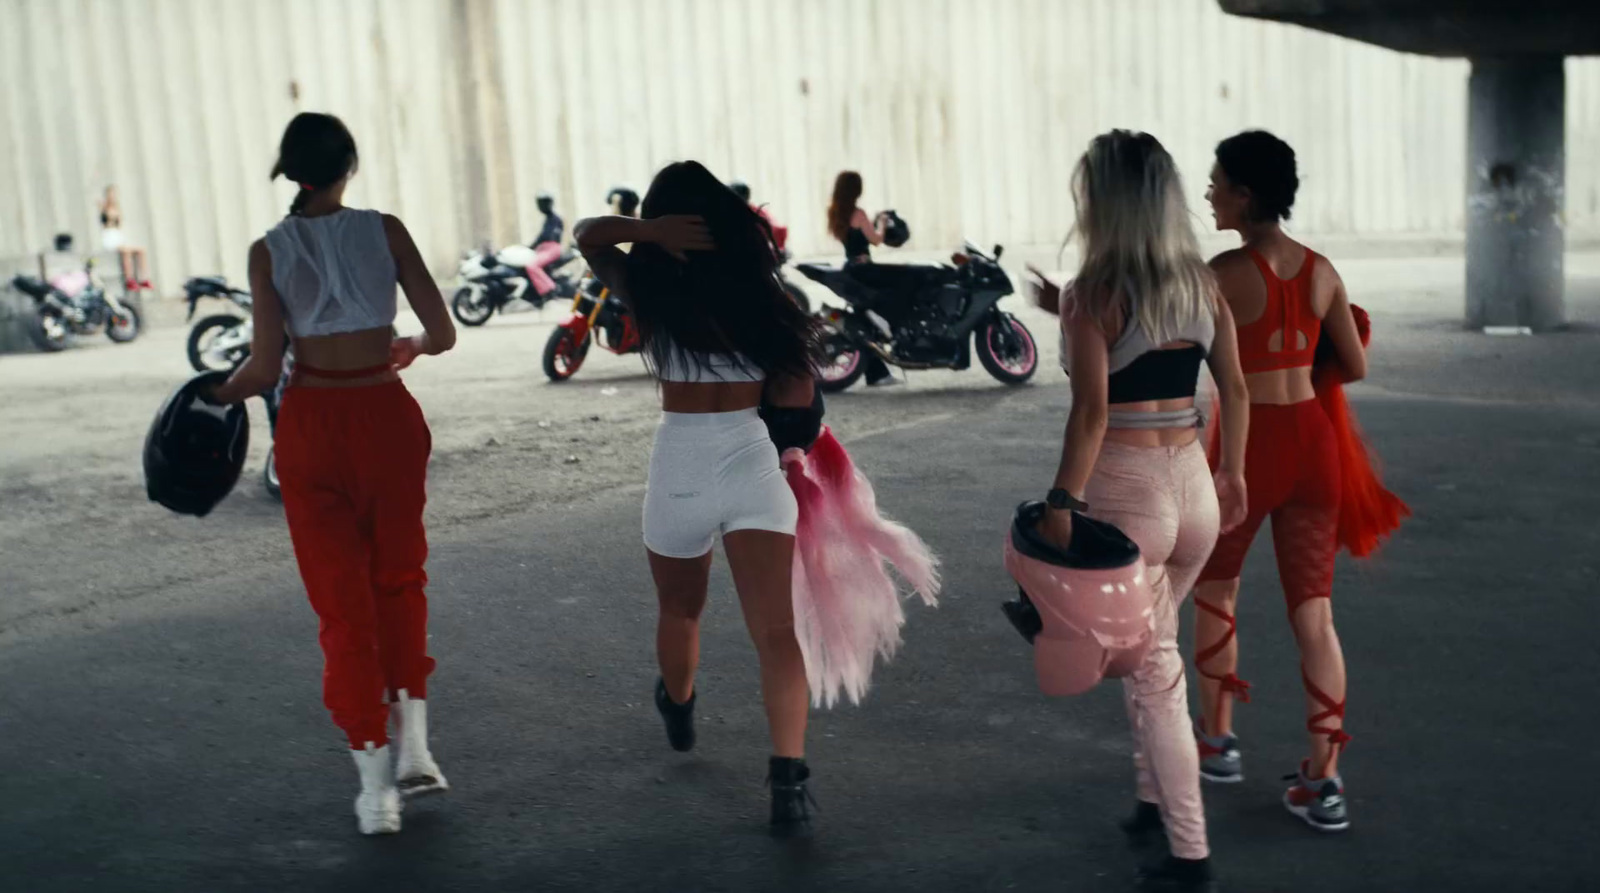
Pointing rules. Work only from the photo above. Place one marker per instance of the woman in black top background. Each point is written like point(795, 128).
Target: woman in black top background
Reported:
point(848, 223)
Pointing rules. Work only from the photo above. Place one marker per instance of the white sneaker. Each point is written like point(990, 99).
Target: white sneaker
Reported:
point(378, 805)
point(416, 771)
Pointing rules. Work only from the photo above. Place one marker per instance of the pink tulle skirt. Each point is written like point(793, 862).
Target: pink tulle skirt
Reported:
point(847, 609)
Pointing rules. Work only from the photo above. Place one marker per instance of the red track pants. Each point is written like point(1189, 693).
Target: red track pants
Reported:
point(353, 463)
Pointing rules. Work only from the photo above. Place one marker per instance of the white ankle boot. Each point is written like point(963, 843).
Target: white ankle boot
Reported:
point(416, 771)
point(378, 806)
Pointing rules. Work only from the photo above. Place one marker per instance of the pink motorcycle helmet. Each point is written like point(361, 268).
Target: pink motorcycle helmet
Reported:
point(1087, 609)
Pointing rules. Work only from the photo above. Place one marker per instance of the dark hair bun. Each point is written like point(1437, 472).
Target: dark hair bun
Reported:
point(1265, 165)
point(317, 151)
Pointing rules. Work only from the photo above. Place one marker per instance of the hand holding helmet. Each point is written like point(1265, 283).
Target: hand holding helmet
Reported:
point(1086, 607)
point(195, 449)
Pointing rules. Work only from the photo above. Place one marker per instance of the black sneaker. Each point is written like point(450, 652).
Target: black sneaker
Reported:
point(1144, 828)
point(678, 717)
point(791, 801)
point(1174, 875)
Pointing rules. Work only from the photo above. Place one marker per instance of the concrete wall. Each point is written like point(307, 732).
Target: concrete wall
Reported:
point(965, 115)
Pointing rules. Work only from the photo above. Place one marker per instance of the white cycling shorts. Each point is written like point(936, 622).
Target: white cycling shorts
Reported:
point(713, 473)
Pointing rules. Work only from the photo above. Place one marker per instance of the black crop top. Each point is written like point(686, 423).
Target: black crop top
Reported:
point(856, 244)
point(1157, 375)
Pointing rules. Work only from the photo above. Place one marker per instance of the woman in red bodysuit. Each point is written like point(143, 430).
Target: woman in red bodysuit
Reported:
point(1305, 466)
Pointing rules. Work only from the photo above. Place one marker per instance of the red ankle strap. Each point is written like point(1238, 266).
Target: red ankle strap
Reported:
point(1230, 683)
point(1334, 710)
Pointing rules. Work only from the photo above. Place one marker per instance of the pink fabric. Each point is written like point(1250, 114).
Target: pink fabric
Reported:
point(847, 608)
point(1164, 500)
point(543, 253)
point(70, 283)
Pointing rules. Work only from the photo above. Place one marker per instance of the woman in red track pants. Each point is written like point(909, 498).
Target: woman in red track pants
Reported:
point(352, 452)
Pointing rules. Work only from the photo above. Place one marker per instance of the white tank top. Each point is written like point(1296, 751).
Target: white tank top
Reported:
point(718, 368)
point(334, 273)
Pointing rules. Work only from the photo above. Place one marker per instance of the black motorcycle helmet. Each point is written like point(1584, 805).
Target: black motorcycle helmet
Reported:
point(896, 232)
point(741, 189)
point(545, 202)
point(195, 450)
point(624, 200)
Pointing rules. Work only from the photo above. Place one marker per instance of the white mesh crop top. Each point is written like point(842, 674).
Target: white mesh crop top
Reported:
point(334, 273)
point(718, 368)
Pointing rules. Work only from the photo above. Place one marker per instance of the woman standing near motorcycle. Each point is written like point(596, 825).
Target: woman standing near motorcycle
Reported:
point(1286, 297)
point(1138, 320)
point(353, 448)
point(717, 330)
point(848, 223)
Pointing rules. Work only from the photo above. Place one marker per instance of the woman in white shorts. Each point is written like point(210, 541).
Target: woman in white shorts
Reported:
point(718, 332)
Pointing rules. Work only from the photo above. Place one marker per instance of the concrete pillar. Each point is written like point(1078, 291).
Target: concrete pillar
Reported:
point(490, 181)
point(1515, 171)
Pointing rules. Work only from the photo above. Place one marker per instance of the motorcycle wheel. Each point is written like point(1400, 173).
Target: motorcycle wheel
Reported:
point(201, 356)
point(561, 357)
point(845, 367)
point(467, 311)
point(797, 296)
point(49, 332)
point(269, 475)
point(1007, 350)
point(123, 329)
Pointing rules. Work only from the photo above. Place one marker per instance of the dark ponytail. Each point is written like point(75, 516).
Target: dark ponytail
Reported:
point(316, 152)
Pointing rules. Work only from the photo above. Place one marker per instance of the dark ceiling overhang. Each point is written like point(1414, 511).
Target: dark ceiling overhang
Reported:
point(1445, 27)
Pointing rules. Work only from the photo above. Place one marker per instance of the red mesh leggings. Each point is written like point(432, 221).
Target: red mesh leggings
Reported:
point(1292, 475)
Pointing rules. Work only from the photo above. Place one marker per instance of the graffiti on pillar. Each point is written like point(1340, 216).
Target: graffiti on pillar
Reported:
point(1509, 192)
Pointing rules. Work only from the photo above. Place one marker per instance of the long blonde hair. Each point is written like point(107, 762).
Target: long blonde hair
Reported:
point(1140, 258)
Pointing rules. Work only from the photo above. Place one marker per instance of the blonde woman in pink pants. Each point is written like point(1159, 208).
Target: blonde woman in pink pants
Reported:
point(1141, 316)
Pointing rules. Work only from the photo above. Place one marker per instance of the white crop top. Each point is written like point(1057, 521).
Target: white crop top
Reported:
point(334, 273)
point(718, 368)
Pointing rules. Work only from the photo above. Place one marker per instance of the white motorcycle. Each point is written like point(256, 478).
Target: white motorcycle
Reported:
point(489, 280)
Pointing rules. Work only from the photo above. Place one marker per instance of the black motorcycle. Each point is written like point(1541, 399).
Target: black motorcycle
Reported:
point(76, 304)
point(219, 342)
point(789, 288)
point(922, 317)
point(490, 280)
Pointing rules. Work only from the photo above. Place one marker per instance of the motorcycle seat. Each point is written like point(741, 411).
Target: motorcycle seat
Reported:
point(567, 257)
point(31, 285)
point(839, 281)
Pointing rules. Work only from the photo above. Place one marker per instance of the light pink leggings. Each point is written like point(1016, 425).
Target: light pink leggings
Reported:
point(543, 253)
point(1163, 498)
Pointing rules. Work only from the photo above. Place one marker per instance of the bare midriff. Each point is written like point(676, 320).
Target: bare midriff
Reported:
point(1152, 437)
point(1281, 386)
point(366, 349)
point(711, 396)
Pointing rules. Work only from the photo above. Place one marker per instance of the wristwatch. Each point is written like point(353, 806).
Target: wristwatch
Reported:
point(1061, 501)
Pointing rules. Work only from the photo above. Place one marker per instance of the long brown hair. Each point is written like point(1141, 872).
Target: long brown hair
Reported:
point(846, 189)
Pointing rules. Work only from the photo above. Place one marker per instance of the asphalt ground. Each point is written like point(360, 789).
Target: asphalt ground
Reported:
point(167, 733)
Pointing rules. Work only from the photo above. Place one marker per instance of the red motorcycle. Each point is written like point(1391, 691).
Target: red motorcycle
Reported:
point(598, 317)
